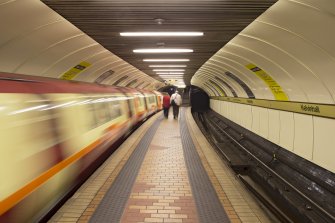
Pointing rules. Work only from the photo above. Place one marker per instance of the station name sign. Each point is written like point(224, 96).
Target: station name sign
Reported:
point(323, 110)
point(310, 108)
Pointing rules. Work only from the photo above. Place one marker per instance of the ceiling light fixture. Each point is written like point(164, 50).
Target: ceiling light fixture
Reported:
point(181, 86)
point(162, 34)
point(167, 73)
point(173, 78)
point(168, 70)
point(163, 50)
point(167, 66)
point(166, 60)
point(174, 75)
point(159, 21)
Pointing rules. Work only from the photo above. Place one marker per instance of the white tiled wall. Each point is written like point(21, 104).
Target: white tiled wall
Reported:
point(264, 122)
point(235, 113)
point(324, 142)
point(247, 117)
point(274, 126)
point(222, 108)
point(303, 135)
point(255, 119)
point(230, 110)
point(286, 134)
point(244, 116)
point(307, 136)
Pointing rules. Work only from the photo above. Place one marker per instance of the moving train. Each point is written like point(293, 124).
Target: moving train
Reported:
point(54, 132)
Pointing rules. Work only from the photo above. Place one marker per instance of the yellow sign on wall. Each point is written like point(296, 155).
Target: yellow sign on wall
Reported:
point(74, 71)
point(275, 88)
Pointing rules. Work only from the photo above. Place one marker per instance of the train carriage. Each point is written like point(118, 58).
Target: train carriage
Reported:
point(159, 96)
point(52, 134)
point(150, 101)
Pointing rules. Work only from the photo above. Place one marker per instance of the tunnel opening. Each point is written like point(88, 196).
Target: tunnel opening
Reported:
point(199, 100)
point(168, 89)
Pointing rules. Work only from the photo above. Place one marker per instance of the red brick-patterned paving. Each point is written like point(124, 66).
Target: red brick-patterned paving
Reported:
point(162, 190)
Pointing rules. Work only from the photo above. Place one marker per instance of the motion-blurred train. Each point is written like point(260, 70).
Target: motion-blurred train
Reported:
point(51, 134)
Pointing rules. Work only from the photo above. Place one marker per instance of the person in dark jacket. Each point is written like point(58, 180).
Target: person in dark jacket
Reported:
point(166, 105)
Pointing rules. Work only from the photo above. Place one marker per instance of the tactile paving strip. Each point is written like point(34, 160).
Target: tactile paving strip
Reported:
point(208, 204)
point(112, 205)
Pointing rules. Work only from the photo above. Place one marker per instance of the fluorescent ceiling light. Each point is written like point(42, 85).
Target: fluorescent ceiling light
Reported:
point(173, 78)
point(170, 73)
point(166, 60)
point(163, 50)
point(174, 75)
point(165, 76)
point(168, 70)
point(162, 34)
point(167, 66)
point(181, 86)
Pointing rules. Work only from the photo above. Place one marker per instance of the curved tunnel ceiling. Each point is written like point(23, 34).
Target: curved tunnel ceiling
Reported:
point(104, 20)
point(281, 68)
point(286, 54)
point(37, 41)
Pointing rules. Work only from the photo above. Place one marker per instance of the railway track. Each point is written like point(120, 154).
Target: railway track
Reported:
point(276, 178)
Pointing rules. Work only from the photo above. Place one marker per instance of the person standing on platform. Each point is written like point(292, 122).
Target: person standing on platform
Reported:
point(175, 101)
point(166, 105)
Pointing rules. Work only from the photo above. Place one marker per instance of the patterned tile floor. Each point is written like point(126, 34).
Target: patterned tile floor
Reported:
point(162, 191)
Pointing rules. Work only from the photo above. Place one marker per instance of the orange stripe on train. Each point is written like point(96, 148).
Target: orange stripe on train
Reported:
point(19, 195)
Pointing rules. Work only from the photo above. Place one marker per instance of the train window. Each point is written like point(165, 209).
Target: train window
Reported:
point(131, 105)
point(92, 122)
point(101, 111)
point(65, 107)
point(141, 101)
point(28, 134)
point(152, 99)
point(115, 109)
point(39, 122)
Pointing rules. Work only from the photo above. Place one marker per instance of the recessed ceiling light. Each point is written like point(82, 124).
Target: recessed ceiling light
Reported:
point(166, 60)
point(167, 66)
point(162, 34)
point(159, 21)
point(163, 50)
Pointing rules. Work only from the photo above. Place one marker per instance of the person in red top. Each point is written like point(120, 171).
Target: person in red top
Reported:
point(166, 105)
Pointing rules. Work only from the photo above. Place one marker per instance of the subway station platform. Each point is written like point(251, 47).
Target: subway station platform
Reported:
point(166, 171)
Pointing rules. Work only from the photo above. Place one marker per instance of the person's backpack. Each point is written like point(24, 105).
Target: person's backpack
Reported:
point(173, 103)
